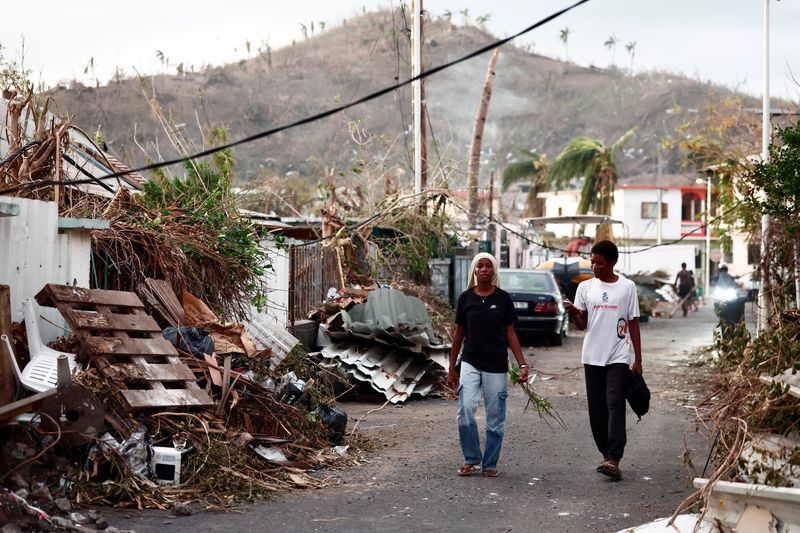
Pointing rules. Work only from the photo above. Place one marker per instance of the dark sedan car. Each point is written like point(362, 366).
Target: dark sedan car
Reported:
point(537, 301)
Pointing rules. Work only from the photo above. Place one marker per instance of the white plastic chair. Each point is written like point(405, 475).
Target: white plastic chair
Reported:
point(41, 373)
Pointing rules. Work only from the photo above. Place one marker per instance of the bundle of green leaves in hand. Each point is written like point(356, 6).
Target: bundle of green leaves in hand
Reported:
point(543, 406)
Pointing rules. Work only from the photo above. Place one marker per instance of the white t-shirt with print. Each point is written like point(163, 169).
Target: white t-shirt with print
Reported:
point(610, 308)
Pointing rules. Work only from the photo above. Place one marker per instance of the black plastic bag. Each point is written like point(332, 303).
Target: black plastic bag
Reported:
point(638, 395)
point(196, 341)
point(334, 420)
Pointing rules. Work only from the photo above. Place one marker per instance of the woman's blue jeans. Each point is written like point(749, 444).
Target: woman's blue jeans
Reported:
point(493, 384)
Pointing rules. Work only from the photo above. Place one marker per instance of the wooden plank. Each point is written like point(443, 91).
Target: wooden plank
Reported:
point(52, 293)
point(25, 405)
point(168, 398)
point(107, 321)
point(5, 309)
point(129, 372)
point(117, 346)
point(8, 382)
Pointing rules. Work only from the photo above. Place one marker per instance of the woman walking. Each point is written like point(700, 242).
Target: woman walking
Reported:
point(485, 327)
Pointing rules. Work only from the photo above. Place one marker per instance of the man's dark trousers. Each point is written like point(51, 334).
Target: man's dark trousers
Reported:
point(605, 392)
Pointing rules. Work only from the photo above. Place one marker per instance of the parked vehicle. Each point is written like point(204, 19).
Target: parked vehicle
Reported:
point(568, 273)
point(749, 283)
point(538, 303)
point(728, 306)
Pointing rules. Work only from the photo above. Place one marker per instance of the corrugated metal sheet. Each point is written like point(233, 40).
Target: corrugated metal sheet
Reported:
point(33, 253)
point(268, 334)
point(391, 317)
point(394, 372)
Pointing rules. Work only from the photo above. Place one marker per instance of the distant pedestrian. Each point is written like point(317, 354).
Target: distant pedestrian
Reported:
point(685, 287)
point(485, 326)
point(607, 307)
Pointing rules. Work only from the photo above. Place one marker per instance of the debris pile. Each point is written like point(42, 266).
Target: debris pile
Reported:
point(148, 422)
point(752, 414)
point(387, 341)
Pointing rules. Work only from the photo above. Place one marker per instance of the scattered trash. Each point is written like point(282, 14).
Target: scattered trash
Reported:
point(334, 420)
point(271, 454)
point(196, 341)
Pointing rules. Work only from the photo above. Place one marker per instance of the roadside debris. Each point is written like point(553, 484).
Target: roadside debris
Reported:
point(751, 414)
point(146, 423)
point(387, 341)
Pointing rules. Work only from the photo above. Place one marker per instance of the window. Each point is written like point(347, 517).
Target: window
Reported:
point(691, 206)
point(650, 210)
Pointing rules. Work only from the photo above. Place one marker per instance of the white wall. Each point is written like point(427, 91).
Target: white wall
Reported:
point(277, 282)
point(33, 253)
point(628, 208)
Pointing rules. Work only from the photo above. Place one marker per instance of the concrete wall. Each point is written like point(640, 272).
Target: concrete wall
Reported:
point(628, 208)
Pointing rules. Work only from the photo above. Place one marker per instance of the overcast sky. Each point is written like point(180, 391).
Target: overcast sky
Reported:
point(717, 40)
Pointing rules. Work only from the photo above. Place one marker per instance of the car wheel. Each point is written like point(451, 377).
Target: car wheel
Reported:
point(556, 339)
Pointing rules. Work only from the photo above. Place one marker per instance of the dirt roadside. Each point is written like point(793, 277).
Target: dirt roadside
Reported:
point(547, 476)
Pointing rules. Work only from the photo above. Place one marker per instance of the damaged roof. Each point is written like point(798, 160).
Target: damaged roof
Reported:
point(266, 333)
point(394, 372)
point(391, 317)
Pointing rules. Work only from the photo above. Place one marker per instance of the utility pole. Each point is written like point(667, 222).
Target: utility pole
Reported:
point(660, 194)
point(416, 85)
point(764, 293)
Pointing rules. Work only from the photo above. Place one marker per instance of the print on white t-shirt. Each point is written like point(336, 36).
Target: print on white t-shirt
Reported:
point(610, 307)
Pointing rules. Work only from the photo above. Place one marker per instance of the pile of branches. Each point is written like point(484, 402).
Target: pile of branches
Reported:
point(35, 143)
point(170, 245)
point(741, 405)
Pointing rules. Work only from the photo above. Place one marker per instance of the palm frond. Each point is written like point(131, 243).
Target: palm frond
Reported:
point(619, 143)
point(575, 161)
point(588, 195)
point(523, 170)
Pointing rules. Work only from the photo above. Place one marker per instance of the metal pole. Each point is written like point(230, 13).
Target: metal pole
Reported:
point(707, 218)
point(763, 293)
point(416, 25)
point(660, 195)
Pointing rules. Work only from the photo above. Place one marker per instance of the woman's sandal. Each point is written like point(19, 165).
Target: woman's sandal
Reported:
point(489, 473)
point(467, 469)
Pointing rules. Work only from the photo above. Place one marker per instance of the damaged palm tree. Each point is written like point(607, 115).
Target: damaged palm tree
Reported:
point(473, 170)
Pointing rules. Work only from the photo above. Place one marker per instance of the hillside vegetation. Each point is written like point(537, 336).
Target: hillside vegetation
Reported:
point(538, 103)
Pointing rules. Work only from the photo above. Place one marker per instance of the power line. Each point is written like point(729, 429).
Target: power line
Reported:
point(318, 116)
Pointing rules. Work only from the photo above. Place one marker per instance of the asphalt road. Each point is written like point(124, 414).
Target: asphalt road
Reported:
point(547, 478)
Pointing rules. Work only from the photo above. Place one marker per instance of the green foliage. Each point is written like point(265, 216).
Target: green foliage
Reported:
point(203, 198)
point(592, 160)
point(780, 180)
point(534, 169)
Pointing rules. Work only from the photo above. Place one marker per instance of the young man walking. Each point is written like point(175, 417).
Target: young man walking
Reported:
point(607, 307)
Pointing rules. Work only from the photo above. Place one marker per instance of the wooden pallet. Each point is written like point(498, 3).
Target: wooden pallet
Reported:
point(126, 345)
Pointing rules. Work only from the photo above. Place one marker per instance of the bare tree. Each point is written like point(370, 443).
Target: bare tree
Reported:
point(473, 169)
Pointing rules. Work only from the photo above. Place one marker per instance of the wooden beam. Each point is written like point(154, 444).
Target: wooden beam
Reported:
point(8, 384)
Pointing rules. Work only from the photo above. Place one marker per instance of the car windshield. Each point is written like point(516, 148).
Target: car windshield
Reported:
point(526, 281)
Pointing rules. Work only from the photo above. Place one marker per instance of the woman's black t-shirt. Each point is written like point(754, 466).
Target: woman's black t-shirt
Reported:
point(484, 320)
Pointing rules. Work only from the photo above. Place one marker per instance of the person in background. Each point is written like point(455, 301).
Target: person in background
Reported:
point(607, 307)
point(724, 279)
point(573, 247)
point(684, 286)
point(485, 319)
